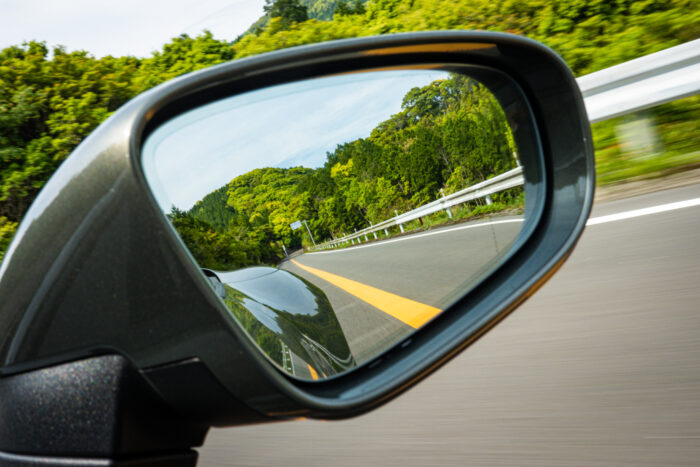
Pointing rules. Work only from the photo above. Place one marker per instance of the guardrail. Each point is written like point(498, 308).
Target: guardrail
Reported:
point(621, 89)
point(643, 82)
point(511, 179)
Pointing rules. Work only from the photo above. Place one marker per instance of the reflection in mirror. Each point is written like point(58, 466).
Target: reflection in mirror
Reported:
point(335, 216)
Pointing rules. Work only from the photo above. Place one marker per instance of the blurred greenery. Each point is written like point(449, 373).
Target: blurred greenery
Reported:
point(650, 143)
point(7, 229)
point(51, 100)
point(286, 11)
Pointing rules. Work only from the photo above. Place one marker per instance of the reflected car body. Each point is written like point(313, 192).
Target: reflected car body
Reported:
point(289, 318)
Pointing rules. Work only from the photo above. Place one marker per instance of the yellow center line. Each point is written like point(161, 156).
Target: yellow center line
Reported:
point(413, 313)
point(314, 375)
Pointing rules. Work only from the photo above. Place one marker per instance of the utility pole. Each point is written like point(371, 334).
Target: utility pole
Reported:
point(297, 225)
point(309, 230)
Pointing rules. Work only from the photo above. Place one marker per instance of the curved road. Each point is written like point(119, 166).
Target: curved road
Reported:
point(601, 367)
point(382, 291)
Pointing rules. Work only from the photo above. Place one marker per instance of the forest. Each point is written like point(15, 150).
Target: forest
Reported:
point(50, 100)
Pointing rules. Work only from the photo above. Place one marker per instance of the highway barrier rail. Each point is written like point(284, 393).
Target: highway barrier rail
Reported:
point(642, 83)
point(621, 89)
point(511, 179)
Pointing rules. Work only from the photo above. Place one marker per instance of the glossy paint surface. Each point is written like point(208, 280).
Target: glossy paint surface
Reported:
point(290, 320)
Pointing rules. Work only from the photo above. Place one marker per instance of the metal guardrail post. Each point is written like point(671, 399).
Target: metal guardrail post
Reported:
point(309, 230)
point(447, 209)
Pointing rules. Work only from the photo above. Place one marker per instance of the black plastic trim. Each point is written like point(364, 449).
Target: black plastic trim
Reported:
point(100, 408)
point(185, 459)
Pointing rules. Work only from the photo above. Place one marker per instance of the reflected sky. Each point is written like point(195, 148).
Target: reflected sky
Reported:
point(289, 125)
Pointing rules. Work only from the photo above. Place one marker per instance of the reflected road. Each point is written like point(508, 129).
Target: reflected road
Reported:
point(382, 291)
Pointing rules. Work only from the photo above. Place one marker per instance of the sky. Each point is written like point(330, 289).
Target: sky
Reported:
point(121, 27)
point(289, 125)
point(341, 113)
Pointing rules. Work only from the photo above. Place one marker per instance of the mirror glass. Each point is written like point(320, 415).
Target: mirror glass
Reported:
point(335, 216)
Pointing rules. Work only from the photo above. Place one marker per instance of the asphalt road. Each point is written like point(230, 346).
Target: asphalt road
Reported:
point(601, 367)
point(422, 266)
point(434, 268)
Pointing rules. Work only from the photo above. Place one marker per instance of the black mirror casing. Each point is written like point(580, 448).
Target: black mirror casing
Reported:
point(96, 269)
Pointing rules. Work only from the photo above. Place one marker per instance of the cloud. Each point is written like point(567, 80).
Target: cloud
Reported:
point(124, 27)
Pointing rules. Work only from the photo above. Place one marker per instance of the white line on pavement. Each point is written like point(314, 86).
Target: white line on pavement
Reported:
point(644, 211)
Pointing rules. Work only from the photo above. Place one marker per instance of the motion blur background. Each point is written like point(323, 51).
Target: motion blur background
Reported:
point(602, 367)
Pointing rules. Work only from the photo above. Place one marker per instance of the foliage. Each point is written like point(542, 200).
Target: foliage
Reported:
point(182, 55)
point(577, 30)
point(344, 8)
point(649, 142)
point(214, 210)
point(288, 11)
point(322, 10)
point(7, 230)
point(49, 104)
point(46, 108)
point(222, 251)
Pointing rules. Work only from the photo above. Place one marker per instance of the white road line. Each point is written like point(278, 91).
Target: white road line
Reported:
point(644, 211)
point(411, 237)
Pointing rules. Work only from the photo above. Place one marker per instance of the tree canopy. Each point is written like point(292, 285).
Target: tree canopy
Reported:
point(288, 11)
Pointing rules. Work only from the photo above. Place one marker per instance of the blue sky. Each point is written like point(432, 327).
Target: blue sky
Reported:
point(123, 27)
point(282, 126)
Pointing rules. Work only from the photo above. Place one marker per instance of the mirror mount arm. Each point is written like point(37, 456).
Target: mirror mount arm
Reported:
point(98, 411)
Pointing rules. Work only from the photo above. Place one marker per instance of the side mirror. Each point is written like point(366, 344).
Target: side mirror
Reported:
point(252, 240)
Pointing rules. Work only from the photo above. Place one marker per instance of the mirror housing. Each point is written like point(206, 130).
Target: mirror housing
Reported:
point(96, 269)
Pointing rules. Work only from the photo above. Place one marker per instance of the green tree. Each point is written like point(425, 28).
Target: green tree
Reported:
point(344, 8)
point(7, 230)
point(181, 55)
point(289, 11)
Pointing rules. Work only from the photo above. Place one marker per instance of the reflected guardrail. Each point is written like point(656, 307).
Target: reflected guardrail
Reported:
point(618, 90)
point(511, 179)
